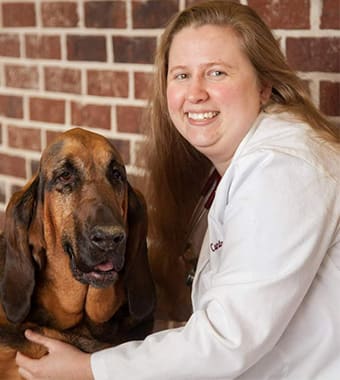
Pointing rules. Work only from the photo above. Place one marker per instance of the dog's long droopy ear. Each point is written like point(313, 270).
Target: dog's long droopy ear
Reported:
point(18, 279)
point(139, 284)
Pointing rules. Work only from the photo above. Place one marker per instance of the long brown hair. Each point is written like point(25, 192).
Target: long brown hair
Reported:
point(176, 170)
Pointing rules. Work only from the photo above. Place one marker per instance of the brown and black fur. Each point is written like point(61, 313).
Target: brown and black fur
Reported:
point(73, 254)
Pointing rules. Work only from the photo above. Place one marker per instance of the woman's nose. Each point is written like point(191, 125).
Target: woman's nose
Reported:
point(196, 91)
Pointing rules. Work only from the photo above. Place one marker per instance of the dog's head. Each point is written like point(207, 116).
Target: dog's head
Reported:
point(80, 205)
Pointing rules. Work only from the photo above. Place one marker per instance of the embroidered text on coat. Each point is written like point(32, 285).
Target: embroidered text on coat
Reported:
point(215, 246)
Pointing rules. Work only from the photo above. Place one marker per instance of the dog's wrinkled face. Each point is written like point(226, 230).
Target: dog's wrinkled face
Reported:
point(85, 198)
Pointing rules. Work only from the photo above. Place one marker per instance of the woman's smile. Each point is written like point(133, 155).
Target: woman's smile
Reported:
point(201, 116)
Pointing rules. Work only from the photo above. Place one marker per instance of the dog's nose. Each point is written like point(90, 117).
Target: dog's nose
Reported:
point(107, 237)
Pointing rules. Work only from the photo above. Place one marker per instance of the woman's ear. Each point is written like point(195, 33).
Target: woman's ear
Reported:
point(265, 92)
point(18, 277)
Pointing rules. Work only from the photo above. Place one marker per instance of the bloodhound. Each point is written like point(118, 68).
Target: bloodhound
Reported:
point(73, 254)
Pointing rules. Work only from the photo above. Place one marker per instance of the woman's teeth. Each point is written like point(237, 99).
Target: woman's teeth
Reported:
point(202, 116)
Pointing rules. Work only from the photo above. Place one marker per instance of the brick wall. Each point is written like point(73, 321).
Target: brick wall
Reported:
point(88, 63)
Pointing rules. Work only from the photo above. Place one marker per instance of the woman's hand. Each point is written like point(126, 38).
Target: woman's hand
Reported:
point(63, 361)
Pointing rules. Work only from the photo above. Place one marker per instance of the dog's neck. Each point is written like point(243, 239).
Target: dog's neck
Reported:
point(67, 301)
point(102, 304)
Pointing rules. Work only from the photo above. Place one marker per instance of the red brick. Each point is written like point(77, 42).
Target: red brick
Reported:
point(152, 13)
point(16, 14)
point(139, 154)
point(105, 14)
point(21, 76)
point(45, 47)
point(330, 16)
point(34, 166)
point(12, 165)
point(50, 136)
point(330, 98)
point(59, 14)
point(108, 83)
point(314, 54)
point(9, 45)
point(86, 48)
point(189, 3)
point(129, 119)
point(142, 85)
point(48, 110)
point(15, 188)
point(91, 115)
point(134, 49)
point(11, 106)
point(123, 147)
point(24, 138)
point(283, 14)
point(62, 80)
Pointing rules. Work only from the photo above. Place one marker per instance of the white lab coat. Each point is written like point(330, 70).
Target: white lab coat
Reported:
point(266, 295)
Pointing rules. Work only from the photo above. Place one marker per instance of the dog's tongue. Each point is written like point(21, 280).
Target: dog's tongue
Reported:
point(104, 267)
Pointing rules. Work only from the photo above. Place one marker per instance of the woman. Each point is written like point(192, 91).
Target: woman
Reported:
point(266, 291)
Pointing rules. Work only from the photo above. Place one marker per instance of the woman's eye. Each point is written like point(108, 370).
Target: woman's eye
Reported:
point(181, 76)
point(216, 73)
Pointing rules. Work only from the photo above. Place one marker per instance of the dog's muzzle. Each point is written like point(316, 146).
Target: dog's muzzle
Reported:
point(99, 257)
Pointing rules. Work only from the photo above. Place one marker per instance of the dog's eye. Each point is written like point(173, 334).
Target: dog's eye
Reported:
point(116, 174)
point(65, 176)
point(65, 181)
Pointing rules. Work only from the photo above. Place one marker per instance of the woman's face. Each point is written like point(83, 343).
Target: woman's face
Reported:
point(213, 94)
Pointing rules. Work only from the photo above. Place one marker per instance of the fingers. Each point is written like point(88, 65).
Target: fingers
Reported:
point(38, 338)
point(27, 366)
point(24, 374)
point(23, 362)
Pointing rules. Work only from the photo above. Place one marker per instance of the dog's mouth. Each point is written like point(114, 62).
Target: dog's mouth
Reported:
point(100, 275)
